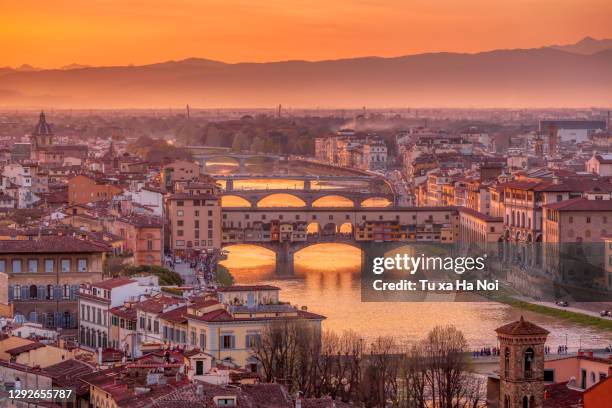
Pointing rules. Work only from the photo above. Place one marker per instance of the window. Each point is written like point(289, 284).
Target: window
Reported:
point(66, 291)
point(196, 224)
point(180, 223)
point(82, 265)
point(65, 265)
point(252, 340)
point(210, 213)
point(197, 213)
point(180, 213)
point(507, 363)
point(588, 220)
point(16, 265)
point(16, 292)
point(149, 245)
point(228, 342)
point(180, 242)
point(549, 375)
point(179, 233)
point(142, 322)
point(32, 265)
point(528, 362)
point(156, 327)
point(202, 340)
point(2, 265)
point(180, 203)
point(49, 265)
point(570, 219)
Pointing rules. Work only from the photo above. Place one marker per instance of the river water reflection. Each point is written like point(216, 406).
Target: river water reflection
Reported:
point(326, 280)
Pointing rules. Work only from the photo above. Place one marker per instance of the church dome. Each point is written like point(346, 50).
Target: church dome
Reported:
point(42, 128)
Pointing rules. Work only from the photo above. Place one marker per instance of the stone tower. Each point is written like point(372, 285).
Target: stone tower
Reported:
point(42, 135)
point(521, 364)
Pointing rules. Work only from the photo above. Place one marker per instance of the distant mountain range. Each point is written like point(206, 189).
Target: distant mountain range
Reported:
point(566, 75)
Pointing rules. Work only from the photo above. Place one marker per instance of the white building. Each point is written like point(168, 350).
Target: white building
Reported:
point(95, 301)
point(600, 164)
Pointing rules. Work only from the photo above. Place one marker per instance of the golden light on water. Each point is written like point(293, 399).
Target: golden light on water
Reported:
point(250, 263)
point(333, 201)
point(376, 202)
point(229, 201)
point(281, 200)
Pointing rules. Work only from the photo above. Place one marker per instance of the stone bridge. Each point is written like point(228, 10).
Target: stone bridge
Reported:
point(307, 199)
point(241, 159)
point(285, 251)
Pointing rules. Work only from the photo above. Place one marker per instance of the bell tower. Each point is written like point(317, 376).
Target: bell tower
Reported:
point(521, 364)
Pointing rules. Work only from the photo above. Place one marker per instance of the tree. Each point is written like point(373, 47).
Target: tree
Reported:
point(166, 276)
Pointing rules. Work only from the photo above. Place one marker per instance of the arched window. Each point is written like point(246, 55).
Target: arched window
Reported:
point(506, 402)
point(525, 402)
point(33, 292)
point(531, 402)
point(528, 362)
point(507, 362)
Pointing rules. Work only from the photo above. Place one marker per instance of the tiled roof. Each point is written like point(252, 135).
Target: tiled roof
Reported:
point(521, 327)
point(254, 396)
point(67, 374)
point(157, 304)
point(113, 283)
point(479, 215)
point(25, 348)
point(52, 245)
point(177, 315)
point(581, 204)
point(185, 196)
point(560, 396)
point(246, 288)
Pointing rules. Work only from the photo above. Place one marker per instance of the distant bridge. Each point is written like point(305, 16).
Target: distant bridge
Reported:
point(205, 154)
point(309, 198)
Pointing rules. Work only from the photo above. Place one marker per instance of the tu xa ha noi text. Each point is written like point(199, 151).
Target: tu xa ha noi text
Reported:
point(413, 264)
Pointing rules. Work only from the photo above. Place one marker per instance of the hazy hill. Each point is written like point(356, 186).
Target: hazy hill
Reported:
point(586, 46)
point(533, 77)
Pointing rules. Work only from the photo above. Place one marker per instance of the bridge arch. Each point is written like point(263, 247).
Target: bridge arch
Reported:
point(313, 227)
point(281, 200)
point(233, 201)
point(378, 202)
point(346, 228)
point(333, 200)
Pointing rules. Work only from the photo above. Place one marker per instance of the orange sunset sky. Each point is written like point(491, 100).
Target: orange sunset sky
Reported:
point(48, 33)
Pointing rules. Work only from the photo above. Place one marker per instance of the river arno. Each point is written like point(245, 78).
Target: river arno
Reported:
point(326, 280)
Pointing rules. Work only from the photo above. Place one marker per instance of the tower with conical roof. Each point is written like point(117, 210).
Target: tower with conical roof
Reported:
point(42, 135)
point(521, 364)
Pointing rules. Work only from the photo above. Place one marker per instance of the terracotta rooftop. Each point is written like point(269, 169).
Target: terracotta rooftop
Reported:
point(521, 327)
point(560, 396)
point(25, 348)
point(67, 374)
point(52, 245)
point(157, 304)
point(113, 283)
point(581, 204)
point(479, 215)
point(186, 196)
point(246, 288)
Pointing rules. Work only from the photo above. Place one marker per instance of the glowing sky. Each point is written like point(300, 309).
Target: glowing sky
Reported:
point(118, 32)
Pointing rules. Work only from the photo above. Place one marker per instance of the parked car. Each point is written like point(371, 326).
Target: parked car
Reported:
point(605, 313)
point(562, 303)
